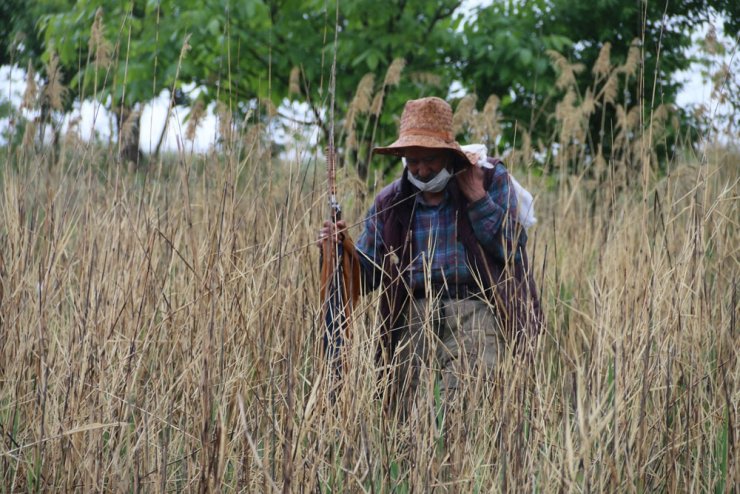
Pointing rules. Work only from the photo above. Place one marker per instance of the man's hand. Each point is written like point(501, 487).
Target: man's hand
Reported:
point(470, 182)
point(331, 231)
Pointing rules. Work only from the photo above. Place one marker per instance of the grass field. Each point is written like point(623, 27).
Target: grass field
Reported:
point(160, 332)
point(160, 328)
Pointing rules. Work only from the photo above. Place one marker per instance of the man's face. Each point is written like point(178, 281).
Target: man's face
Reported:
point(425, 164)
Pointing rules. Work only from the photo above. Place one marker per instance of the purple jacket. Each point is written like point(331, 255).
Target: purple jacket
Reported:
point(510, 285)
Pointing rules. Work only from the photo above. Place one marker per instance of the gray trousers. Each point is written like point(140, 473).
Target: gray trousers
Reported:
point(458, 340)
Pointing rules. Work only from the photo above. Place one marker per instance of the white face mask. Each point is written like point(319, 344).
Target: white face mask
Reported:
point(436, 184)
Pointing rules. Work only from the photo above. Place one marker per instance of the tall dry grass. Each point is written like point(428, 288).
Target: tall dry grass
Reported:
point(162, 331)
point(163, 334)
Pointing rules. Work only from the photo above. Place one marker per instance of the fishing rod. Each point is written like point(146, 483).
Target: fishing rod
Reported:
point(334, 289)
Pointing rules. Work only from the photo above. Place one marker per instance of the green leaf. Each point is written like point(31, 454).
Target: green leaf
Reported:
point(525, 56)
point(214, 28)
point(372, 60)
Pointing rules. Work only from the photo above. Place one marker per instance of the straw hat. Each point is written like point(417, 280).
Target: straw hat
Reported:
point(425, 123)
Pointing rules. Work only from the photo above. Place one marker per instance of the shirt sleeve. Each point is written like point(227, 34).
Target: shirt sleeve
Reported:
point(370, 248)
point(493, 218)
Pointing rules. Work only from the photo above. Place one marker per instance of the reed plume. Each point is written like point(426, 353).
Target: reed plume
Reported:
point(294, 81)
point(464, 113)
point(393, 74)
point(194, 119)
point(30, 95)
point(54, 91)
point(97, 43)
point(567, 71)
point(603, 65)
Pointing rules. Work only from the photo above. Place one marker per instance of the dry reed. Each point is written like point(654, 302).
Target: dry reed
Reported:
point(151, 330)
point(30, 95)
point(53, 91)
point(164, 334)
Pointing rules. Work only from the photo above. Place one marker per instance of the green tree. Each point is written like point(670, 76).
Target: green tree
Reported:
point(506, 54)
point(253, 55)
point(22, 45)
point(120, 53)
point(19, 37)
point(273, 50)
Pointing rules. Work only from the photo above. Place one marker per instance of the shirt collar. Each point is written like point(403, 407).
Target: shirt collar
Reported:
point(421, 202)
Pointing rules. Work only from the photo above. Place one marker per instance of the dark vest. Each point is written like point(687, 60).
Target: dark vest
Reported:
point(510, 285)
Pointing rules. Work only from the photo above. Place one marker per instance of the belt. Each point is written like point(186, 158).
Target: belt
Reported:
point(448, 291)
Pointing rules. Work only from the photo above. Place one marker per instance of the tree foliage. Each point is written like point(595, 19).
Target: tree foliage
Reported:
point(252, 56)
point(20, 40)
point(121, 53)
point(246, 54)
point(506, 54)
point(126, 50)
point(277, 50)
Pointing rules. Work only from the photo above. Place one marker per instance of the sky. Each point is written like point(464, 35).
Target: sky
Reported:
point(94, 120)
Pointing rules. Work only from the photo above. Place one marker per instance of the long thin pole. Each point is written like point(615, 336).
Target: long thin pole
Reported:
point(336, 211)
point(335, 316)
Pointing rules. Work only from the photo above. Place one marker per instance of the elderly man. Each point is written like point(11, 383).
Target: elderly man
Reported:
point(444, 243)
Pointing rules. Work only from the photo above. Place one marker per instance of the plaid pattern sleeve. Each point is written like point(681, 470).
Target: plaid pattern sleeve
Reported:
point(493, 217)
point(369, 247)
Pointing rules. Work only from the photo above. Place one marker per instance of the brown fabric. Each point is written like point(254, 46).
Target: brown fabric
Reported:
point(350, 273)
point(426, 123)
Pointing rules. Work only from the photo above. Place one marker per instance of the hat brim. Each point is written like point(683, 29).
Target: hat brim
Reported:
point(404, 143)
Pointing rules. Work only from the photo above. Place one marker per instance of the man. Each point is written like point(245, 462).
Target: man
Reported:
point(444, 243)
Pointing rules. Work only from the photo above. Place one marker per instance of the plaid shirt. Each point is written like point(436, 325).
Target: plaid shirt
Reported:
point(437, 253)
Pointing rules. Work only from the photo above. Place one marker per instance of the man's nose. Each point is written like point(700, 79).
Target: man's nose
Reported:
point(424, 172)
